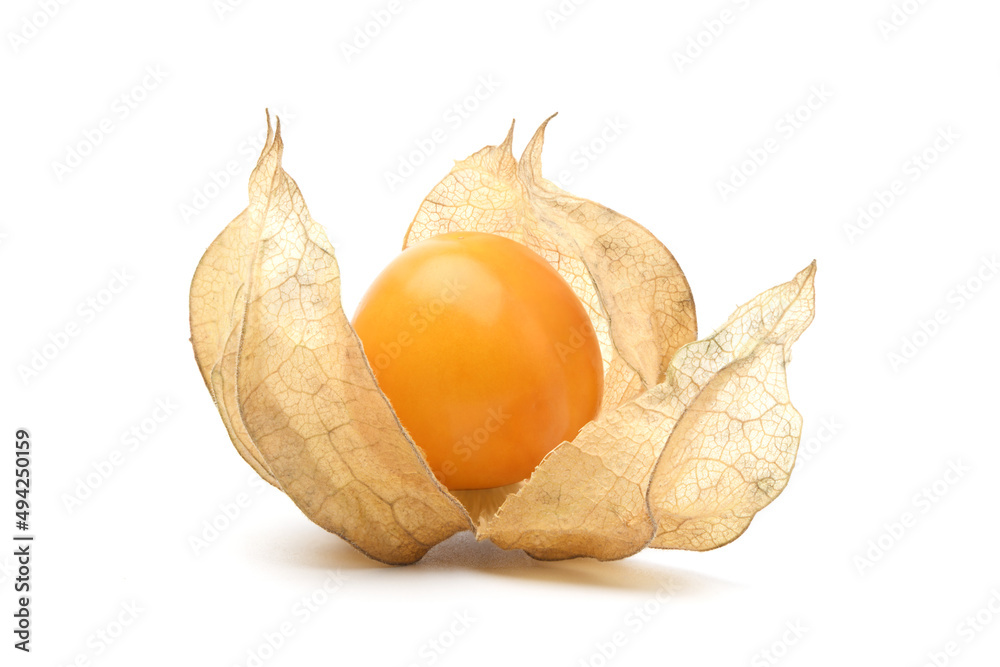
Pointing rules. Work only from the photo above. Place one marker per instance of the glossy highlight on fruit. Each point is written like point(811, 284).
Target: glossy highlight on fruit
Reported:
point(485, 353)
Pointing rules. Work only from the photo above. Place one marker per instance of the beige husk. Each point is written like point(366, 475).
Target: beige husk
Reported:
point(692, 440)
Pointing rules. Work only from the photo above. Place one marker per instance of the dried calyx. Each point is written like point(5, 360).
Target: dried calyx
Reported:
point(694, 437)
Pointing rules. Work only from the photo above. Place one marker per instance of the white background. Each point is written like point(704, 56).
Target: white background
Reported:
point(877, 433)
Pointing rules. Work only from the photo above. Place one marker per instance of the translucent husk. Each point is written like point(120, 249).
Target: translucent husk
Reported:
point(694, 437)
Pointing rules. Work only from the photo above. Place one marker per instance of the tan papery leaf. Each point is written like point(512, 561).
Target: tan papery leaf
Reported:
point(293, 385)
point(632, 287)
point(734, 447)
point(713, 419)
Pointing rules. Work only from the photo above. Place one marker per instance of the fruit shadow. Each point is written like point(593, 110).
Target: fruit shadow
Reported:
point(464, 552)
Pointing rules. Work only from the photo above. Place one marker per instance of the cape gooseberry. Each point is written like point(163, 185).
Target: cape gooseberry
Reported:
point(485, 353)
